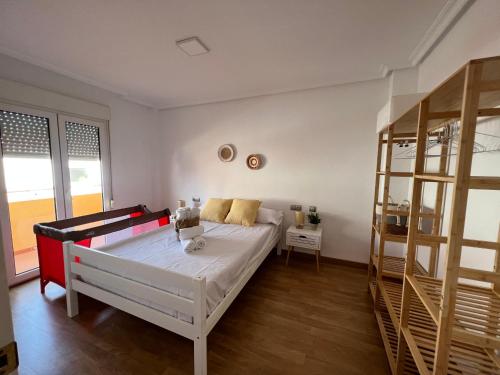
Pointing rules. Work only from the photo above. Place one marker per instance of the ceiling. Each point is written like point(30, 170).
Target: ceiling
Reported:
point(256, 47)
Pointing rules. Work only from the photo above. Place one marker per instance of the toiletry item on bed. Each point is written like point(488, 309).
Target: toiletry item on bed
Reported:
point(188, 233)
point(200, 242)
point(183, 213)
point(186, 218)
point(196, 202)
point(188, 245)
point(194, 213)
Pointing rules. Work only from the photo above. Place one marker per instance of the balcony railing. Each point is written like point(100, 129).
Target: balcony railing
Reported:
point(25, 213)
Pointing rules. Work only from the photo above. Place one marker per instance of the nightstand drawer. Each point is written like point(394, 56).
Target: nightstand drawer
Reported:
point(303, 240)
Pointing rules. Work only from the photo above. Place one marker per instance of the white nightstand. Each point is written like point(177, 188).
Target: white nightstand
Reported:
point(304, 238)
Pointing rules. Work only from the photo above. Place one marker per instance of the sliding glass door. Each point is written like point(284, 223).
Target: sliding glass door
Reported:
point(30, 182)
point(52, 167)
point(84, 154)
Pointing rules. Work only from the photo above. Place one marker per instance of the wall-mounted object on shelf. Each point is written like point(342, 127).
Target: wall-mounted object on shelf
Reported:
point(394, 223)
point(254, 161)
point(226, 152)
point(404, 206)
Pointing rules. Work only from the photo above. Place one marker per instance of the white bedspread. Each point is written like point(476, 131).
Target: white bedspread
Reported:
point(229, 251)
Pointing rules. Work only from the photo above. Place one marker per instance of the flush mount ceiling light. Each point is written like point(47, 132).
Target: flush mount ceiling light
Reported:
point(192, 46)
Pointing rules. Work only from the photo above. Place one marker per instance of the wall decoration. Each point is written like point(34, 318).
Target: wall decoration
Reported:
point(254, 161)
point(226, 153)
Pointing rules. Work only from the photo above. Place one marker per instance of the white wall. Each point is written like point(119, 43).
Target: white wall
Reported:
point(476, 35)
point(6, 329)
point(133, 128)
point(319, 147)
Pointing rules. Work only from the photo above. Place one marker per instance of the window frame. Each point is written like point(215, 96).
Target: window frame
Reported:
point(61, 178)
point(104, 156)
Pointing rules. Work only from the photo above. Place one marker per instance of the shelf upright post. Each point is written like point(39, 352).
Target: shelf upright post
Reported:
point(412, 230)
point(438, 207)
point(375, 201)
point(470, 106)
point(496, 285)
point(383, 220)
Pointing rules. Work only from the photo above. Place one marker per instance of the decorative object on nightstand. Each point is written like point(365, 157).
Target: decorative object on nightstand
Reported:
point(314, 219)
point(299, 215)
point(299, 219)
point(304, 239)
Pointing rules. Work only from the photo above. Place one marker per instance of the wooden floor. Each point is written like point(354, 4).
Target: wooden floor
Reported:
point(285, 321)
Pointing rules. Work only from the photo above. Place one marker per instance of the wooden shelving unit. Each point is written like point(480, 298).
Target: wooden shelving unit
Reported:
point(394, 266)
point(429, 325)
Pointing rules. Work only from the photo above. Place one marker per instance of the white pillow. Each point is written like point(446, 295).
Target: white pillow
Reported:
point(269, 216)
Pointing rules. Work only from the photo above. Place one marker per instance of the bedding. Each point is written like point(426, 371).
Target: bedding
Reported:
point(269, 216)
point(216, 209)
point(243, 212)
point(230, 249)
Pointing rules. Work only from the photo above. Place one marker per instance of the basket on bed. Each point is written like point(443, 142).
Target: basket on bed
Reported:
point(187, 223)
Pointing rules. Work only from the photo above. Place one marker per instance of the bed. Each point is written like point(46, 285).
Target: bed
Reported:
point(151, 277)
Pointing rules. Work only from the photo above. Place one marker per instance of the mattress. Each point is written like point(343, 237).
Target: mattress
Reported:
point(230, 250)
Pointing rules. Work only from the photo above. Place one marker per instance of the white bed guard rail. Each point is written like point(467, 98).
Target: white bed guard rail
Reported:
point(99, 275)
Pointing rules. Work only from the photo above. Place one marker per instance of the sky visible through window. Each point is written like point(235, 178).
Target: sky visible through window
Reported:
point(32, 178)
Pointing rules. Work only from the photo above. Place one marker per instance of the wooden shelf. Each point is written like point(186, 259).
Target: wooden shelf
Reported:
point(435, 178)
point(420, 336)
point(463, 358)
point(407, 213)
point(476, 182)
point(372, 286)
point(395, 267)
point(428, 239)
point(477, 311)
point(395, 174)
point(390, 340)
point(391, 237)
point(484, 183)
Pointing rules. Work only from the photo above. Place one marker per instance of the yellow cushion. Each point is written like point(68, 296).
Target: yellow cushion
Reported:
point(216, 209)
point(243, 212)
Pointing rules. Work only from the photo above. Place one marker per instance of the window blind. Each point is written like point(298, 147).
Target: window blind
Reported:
point(24, 135)
point(83, 141)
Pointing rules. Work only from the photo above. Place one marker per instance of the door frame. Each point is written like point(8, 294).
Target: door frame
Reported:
point(60, 206)
point(104, 154)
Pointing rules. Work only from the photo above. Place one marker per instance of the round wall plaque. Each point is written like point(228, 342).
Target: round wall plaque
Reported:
point(254, 161)
point(226, 153)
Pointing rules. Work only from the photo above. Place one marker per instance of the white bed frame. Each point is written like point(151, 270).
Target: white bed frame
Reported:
point(83, 277)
